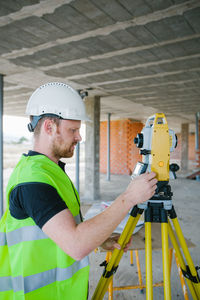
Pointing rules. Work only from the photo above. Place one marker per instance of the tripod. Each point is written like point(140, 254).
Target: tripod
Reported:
point(158, 209)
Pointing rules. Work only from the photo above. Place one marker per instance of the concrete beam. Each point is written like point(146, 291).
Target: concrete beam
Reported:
point(39, 9)
point(106, 55)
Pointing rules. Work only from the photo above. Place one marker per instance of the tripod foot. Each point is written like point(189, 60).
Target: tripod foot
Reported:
point(141, 291)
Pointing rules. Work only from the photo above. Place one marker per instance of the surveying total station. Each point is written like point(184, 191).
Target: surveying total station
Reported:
point(155, 141)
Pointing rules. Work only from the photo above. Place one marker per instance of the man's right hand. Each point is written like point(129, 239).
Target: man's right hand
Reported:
point(141, 188)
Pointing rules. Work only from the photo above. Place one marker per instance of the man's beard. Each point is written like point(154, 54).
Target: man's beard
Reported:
point(62, 152)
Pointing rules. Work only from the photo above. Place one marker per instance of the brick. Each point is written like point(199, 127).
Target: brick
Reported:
point(124, 153)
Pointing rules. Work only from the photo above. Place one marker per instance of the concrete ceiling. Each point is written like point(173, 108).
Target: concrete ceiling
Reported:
point(140, 56)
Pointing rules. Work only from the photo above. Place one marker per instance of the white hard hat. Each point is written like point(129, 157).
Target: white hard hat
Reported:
point(59, 99)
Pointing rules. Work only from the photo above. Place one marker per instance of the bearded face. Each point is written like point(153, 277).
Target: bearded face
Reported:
point(65, 139)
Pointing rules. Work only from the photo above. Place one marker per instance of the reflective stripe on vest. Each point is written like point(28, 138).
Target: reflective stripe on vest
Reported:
point(25, 234)
point(36, 281)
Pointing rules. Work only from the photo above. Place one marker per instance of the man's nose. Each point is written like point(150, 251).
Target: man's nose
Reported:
point(78, 137)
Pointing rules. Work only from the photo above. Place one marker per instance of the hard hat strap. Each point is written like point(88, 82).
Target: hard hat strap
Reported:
point(35, 120)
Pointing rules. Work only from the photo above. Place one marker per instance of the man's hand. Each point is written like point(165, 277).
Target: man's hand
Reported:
point(111, 243)
point(141, 189)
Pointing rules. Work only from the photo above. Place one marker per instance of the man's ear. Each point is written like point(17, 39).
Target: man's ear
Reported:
point(49, 126)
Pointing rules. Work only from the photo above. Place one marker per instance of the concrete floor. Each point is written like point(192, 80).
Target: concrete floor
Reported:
point(186, 201)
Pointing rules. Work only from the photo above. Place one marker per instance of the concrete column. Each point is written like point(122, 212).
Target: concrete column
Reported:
point(184, 146)
point(108, 147)
point(197, 143)
point(197, 134)
point(1, 145)
point(92, 149)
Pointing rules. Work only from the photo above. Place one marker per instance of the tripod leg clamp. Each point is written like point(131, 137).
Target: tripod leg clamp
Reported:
point(107, 274)
point(188, 275)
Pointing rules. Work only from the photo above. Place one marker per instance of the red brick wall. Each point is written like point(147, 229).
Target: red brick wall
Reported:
point(191, 150)
point(123, 152)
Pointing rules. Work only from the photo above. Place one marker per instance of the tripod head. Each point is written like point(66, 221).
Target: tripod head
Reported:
point(156, 141)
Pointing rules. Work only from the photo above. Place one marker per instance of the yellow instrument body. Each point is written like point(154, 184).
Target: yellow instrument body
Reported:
point(160, 148)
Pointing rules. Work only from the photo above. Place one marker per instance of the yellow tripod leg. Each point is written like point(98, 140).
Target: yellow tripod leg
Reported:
point(181, 260)
point(182, 280)
point(187, 256)
point(139, 270)
point(166, 266)
point(115, 258)
point(148, 258)
point(110, 286)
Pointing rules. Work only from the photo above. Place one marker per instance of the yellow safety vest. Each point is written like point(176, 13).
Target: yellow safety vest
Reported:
point(32, 266)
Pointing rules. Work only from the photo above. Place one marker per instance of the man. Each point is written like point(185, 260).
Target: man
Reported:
point(44, 241)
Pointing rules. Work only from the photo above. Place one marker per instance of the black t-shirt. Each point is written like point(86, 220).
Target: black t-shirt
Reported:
point(40, 201)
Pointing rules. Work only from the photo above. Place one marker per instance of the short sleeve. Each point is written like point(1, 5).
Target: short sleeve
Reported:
point(40, 201)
